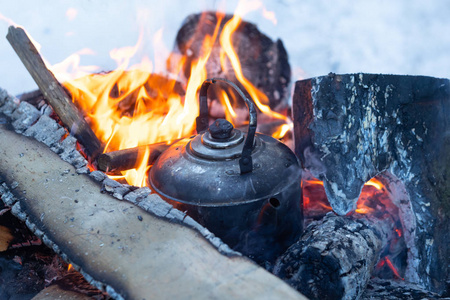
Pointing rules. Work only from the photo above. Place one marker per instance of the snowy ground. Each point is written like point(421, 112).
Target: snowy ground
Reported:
point(398, 37)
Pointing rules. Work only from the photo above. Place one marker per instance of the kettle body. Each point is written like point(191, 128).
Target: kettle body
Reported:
point(243, 187)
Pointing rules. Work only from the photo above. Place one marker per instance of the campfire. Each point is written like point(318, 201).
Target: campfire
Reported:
point(202, 181)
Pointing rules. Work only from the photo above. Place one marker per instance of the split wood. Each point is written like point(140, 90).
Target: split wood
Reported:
point(53, 91)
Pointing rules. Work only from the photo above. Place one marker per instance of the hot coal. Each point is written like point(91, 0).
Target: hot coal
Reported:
point(349, 128)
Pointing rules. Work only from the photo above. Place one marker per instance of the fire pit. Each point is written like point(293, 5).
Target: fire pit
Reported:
point(373, 148)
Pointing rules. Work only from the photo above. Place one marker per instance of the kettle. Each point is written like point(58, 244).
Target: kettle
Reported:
point(243, 187)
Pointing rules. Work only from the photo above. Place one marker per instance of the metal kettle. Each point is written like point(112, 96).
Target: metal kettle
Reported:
point(243, 187)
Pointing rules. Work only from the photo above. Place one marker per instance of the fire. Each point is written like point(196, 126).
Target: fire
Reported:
point(260, 99)
point(375, 183)
point(131, 106)
point(128, 108)
point(370, 189)
point(374, 203)
point(386, 261)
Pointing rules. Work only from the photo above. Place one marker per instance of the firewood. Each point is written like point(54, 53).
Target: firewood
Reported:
point(116, 245)
point(335, 257)
point(53, 91)
point(126, 159)
point(351, 127)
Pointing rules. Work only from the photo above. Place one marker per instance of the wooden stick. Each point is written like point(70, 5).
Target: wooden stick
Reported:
point(53, 91)
point(127, 158)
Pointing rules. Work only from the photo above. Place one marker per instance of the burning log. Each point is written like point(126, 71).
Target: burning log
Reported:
point(128, 158)
point(264, 62)
point(115, 245)
point(335, 257)
point(349, 128)
point(53, 91)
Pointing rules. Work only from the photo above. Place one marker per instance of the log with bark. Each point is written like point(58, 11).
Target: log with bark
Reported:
point(335, 257)
point(53, 91)
point(349, 128)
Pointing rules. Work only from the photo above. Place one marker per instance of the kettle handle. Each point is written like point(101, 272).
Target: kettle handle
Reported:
point(245, 163)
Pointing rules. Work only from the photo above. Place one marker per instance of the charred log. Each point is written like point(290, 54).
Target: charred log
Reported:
point(349, 128)
point(378, 289)
point(335, 257)
point(264, 62)
point(53, 90)
point(128, 158)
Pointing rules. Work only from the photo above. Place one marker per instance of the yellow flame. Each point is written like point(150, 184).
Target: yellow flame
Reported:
point(131, 106)
point(259, 98)
point(229, 108)
point(154, 111)
point(375, 183)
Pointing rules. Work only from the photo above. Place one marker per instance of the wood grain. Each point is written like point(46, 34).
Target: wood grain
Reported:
point(53, 91)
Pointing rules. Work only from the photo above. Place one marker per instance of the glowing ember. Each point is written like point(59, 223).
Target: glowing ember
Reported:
point(386, 261)
point(374, 202)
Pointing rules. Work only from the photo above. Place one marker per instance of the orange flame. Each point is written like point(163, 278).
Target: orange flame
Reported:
point(386, 260)
point(375, 183)
point(362, 204)
point(129, 107)
point(258, 97)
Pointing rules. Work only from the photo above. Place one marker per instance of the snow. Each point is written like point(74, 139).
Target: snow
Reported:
point(397, 37)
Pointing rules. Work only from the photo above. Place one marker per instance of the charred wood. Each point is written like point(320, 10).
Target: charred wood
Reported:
point(335, 257)
point(379, 289)
point(53, 91)
point(128, 158)
point(350, 128)
point(264, 62)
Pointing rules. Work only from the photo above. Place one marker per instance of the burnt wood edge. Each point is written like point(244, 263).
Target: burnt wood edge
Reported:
point(53, 91)
point(126, 159)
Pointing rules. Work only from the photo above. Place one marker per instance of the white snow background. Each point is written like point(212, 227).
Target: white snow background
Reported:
point(342, 36)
